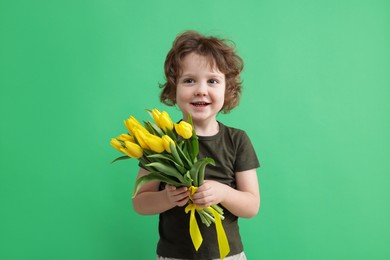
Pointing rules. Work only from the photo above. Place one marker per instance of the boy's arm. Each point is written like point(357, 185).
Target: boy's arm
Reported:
point(149, 200)
point(242, 202)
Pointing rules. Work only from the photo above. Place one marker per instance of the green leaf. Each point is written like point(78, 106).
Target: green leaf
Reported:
point(144, 161)
point(169, 158)
point(153, 176)
point(147, 152)
point(197, 170)
point(168, 170)
point(187, 178)
point(149, 112)
point(125, 157)
point(180, 144)
point(175, 154)
point(171, 134)
point(195, 146)
point(189, 120)
point(188, 149)
point(185, 158)
point(161, 156)
point(148, 127)
point(158, 130)
point(204, 163)
point(153, 128)
point(193, 143)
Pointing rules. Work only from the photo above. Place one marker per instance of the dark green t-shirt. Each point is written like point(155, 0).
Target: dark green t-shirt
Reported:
point(233, 152)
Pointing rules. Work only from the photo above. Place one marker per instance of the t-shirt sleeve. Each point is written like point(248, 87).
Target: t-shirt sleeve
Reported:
point(246, 158)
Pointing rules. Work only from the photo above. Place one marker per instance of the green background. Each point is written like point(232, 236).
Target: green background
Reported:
point(315, 104)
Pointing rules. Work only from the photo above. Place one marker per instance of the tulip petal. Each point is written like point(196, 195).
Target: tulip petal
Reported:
point(116, 144)
point(155, 143)
point(184, 129)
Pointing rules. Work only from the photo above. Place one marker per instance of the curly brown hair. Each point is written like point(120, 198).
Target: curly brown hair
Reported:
point(219, 52)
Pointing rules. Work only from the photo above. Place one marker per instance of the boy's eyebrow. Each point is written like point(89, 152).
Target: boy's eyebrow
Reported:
point(215, 75)
point(186, 75)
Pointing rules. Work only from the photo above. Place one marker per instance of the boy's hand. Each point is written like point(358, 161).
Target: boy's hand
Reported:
point(209, 193)
point(177, 196)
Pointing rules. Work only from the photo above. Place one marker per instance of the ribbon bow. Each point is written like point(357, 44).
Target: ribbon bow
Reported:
point(195, 233)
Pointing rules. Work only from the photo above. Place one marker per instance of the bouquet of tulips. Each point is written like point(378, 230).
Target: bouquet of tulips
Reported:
point(170, 158)
point(169, 152)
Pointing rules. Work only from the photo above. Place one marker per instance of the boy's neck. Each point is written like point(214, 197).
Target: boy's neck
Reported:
point(207, 128)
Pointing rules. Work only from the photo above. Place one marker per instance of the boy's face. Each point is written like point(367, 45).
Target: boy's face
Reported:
point(200, 89)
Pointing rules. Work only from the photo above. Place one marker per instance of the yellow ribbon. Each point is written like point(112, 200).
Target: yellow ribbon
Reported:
point(195, 234)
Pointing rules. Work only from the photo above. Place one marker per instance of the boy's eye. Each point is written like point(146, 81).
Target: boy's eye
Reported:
point(189, 81)
point(213, 81)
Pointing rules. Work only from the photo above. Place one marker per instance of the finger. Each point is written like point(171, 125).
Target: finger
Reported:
point(181, 195)
point(170, 187)
point(203, 204)
point(199, 201)
point(182, 202)
point(181, 199)
point(178, 196)
point(180, 192)
point(200, 194)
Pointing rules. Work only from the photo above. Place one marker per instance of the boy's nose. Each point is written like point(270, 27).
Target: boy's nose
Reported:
point(201, 90)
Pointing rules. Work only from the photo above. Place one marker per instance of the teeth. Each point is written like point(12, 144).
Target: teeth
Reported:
point(199, 103)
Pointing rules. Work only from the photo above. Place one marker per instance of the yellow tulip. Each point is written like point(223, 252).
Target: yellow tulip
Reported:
point(156, 117)
point(184, 129)
point(141, 137)
point(167, 143)
point(143, 129)
point(131, 123)
point(165, 121)
point(125, 137)
point(132, 150)
point(116, 144)
point(155, 143)
point(162, 119)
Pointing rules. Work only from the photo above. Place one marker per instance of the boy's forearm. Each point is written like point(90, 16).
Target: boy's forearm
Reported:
point(242, 204)
point(151, 202)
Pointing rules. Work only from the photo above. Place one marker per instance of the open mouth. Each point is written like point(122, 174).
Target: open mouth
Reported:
point(200, 104)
